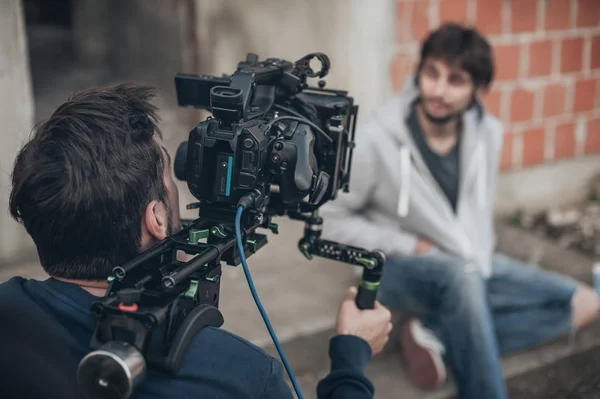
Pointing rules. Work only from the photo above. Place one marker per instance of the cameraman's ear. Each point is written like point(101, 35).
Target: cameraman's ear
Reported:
point(154, 223)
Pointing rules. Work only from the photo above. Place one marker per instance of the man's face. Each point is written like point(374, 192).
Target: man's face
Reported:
point(446, 91)
point(174, 223)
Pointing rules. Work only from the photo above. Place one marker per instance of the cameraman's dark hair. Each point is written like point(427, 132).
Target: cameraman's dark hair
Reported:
point(81, 184)
point(462, 46)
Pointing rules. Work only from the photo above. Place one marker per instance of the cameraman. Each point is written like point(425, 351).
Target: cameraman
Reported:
point(93, 188)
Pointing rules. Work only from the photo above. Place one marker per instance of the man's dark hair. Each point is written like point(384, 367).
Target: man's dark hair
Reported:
point(461, 46)
point(81, 184)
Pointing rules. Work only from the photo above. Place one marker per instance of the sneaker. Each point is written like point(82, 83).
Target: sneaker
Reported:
point(422, 355)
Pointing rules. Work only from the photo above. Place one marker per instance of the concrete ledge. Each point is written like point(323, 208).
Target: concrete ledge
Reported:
point(546, 185)
point(525, 246)
point(575, 376)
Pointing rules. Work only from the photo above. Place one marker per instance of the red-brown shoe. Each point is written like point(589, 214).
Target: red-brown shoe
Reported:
point(422, 355)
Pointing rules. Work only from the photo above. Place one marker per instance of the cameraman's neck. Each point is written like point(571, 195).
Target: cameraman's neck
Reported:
point(96, 288)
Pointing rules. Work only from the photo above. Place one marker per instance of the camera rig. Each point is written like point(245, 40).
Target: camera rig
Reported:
point(273, 147)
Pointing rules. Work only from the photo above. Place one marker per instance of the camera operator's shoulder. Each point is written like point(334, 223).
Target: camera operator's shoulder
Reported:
point(220, 337)
point(218, 349)
point(221, 364)
point(15, 280)
point(11, 287)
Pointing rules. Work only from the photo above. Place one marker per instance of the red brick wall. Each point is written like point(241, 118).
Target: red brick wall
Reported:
point(547, 86)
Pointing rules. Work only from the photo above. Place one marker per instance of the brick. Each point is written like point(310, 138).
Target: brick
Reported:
point(595, 52)
point(592, 139)
point(507, 57)
point(521, 105)
point(507, 151)
point(453, 11)
point(534, 144)
point(564, 141)
point(585, 95)
point(488, 18)
point(420, 19)
point(540, 58)
point(588, 13)
point(554, 100)
point(558, 15)
point(571, 55)
point(523, 15)
point(402, 65)
point(492, 101)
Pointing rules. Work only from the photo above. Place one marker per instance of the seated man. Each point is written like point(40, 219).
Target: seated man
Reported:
point(423, 186)
point(93, 187)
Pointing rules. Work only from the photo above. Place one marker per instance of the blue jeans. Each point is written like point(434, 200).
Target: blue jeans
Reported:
point(477, 319)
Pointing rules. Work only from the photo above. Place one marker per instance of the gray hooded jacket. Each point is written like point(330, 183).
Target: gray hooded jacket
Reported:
point(394, 200)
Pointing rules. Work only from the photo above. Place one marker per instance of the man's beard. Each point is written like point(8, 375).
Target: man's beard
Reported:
point(173, 222)
point(442, 120)
point(173, 226)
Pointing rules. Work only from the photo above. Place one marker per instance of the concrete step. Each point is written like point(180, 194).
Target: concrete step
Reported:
point(575, 376)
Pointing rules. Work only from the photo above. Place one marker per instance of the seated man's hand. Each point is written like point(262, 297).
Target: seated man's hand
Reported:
point(372, 325)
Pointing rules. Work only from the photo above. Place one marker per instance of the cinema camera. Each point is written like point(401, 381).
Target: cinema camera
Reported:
point(273, 147)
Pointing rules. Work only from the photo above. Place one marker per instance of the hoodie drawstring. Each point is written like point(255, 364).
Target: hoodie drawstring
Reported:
point(481, 175)
point(403, 199)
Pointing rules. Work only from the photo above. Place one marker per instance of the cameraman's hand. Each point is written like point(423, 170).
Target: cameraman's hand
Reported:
point(372, 325)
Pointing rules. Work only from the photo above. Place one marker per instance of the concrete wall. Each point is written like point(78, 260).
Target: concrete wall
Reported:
point(16, 114)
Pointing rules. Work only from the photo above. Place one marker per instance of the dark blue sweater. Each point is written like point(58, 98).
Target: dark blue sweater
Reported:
point(217, 364)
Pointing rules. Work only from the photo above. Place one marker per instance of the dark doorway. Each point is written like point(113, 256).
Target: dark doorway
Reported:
point(55, 68)
point(48, 12)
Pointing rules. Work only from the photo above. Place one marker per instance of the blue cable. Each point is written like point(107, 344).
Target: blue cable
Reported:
point(240, 246)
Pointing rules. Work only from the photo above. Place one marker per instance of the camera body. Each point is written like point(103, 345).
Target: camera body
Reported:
point(269, 134)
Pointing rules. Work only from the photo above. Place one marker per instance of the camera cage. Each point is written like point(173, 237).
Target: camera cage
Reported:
point(251, 104)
